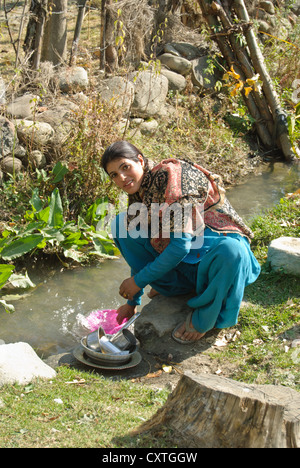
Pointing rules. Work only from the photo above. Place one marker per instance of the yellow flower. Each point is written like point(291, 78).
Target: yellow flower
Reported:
point(248, 91)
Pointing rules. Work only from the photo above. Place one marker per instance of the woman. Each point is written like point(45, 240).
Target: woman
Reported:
point(205, 252)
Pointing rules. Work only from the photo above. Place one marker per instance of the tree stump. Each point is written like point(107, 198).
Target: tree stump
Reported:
point(208, 411)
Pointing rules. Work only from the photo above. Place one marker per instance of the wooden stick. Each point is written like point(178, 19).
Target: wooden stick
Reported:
point(230, 59)
point(269, 90)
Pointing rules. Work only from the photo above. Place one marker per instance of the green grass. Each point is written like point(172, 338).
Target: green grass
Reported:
point(100, 412)
point(97, 412)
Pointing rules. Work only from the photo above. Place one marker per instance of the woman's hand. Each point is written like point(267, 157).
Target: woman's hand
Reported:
point(125, 311)
point(128, 288)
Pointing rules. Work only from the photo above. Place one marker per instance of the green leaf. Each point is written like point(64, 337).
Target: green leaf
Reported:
point(20, 247)
point(104, 248)
point(56, 210)
point(43, 215)
point(9, 308)
point(74, 239)
point(21, 281)
point(5, 273)
point(59, 171)
point(35, 200)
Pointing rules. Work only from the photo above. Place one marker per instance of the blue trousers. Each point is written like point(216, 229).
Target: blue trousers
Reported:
point(226, 266)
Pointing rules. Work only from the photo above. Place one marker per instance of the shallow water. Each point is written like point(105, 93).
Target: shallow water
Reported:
point(50, 318)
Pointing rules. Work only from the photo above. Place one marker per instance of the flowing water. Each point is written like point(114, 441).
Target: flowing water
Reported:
point(51, 317)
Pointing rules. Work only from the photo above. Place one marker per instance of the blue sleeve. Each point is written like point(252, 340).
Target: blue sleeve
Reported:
point(174, 253)
point(137, 298)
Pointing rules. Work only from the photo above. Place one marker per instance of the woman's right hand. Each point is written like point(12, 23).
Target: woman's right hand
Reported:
point(125, 311)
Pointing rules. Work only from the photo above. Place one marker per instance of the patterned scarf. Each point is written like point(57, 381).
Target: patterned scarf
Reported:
point(182, 182)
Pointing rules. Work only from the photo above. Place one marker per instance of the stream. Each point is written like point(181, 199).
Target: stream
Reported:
point(51, 316)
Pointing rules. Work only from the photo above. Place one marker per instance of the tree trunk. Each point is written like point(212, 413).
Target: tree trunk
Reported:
point(102, 35)
point(208, 411)
point(80, 16)
point(55, 37)
point(111, 56)
point(35, 31)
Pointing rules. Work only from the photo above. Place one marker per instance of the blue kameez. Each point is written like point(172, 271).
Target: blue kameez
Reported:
point(217, 272)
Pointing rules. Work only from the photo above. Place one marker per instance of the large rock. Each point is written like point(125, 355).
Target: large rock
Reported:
point(39, 133)
point(177, 64)
point(268, 7)
point(161, 315)
point(11, 165)
point(200, 76)
point(8, 137)
point(118, 91)
point(296, 8)
point(151, 90)
point(2, 91)
point(177, 82)
point(183, 49)
point(284, 254)
point(20, 364)
point(23, 106)
point(73, 79)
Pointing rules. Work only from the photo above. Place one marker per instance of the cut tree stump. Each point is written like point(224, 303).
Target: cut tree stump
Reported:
point(209, 411)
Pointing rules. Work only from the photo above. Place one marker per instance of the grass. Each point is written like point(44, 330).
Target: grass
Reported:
point(83, 409)
point(76, 409)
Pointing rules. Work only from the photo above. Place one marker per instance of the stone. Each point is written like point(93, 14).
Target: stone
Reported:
point(296, 8)
point(264, 27)
point(161, 315)
point(149, 128)
point(8, 137)
point(176, 81)
point(177, 64)
point(38, 133)
point(200, 77)
point(118, 91)
point(73, 79)
point(38, 159)
point(284, 254)
point(268, 7)
point(11, 165)
point(183, 49)
point(20, 364)
point(2, 91)
point(23, 107)
point(150, 94)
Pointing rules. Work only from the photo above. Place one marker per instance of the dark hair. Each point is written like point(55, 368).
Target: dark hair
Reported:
point(118, 150)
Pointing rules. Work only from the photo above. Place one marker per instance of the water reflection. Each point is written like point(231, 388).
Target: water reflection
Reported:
point(50, 317)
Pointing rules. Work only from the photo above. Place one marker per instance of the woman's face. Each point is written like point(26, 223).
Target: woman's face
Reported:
point(126, 173)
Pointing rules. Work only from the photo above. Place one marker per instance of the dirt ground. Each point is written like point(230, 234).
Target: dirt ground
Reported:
point(164, 361)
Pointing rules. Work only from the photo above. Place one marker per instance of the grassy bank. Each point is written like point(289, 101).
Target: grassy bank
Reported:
point(83, 409)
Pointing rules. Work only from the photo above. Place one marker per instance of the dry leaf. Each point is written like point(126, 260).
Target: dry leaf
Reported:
point(154, 374)
point(167, 369)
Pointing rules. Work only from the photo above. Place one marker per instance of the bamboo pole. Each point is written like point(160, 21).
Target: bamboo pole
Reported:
point(228, 54)
point(245, 63)
point(281, 130)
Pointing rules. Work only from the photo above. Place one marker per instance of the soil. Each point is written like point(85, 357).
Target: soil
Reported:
point(164, 361)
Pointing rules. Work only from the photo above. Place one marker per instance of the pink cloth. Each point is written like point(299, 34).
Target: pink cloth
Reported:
point(107, 319)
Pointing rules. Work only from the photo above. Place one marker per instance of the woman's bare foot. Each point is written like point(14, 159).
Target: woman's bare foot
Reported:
point(186, 332)
point(152, 293)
